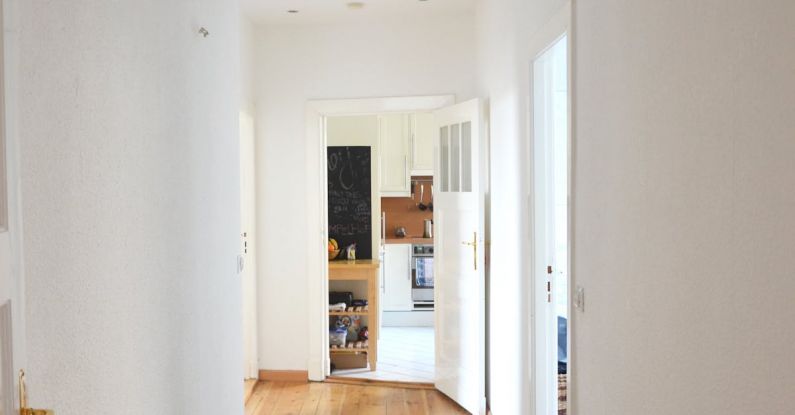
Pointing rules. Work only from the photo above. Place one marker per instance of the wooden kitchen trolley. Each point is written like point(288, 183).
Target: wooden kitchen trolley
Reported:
point(365, 271)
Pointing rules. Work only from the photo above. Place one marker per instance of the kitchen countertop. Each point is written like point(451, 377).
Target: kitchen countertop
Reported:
point(359, 263)
point(410, 240)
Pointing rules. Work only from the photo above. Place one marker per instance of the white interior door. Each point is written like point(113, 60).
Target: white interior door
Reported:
point(459, 255)
point(249, 271)
point(550, 223)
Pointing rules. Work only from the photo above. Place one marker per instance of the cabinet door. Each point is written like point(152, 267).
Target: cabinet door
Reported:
point(394, 153)
point(397, 278)
point(423, 131)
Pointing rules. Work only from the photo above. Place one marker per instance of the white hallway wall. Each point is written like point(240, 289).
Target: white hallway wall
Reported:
point(129, 161)
point(683, 207)
point(299, 63)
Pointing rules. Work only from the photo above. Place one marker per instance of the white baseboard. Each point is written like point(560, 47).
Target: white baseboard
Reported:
point(408, 319)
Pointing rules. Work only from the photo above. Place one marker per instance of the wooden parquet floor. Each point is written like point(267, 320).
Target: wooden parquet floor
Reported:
point(282, 398)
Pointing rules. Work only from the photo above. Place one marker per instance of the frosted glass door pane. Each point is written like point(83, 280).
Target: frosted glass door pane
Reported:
point(455, 158)
point(444, 160)
point(466, 157)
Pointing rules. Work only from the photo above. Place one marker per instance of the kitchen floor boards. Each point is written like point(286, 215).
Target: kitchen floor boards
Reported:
point(405, 354)
point(280, 398)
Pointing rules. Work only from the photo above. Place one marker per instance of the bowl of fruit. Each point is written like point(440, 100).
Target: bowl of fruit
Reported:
point(333, 249)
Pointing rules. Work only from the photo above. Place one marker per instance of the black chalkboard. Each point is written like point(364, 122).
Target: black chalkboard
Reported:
point(349, 199)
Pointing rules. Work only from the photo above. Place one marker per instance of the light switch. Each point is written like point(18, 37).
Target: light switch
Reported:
point(579, 298)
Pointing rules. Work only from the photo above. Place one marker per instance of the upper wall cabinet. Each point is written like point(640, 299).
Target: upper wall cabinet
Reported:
point(395, 148)
point(423, 130)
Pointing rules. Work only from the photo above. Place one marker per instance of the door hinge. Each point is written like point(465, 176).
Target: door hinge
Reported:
point(549, 269)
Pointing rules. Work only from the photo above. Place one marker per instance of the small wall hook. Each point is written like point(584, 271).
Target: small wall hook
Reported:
point(204, 32)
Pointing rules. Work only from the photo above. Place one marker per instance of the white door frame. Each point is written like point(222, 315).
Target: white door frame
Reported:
point(317, 205)
point(558, 26)
point(12, 232)
point(248, 273)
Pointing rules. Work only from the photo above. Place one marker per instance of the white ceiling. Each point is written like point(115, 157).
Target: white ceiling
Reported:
point(334, 11)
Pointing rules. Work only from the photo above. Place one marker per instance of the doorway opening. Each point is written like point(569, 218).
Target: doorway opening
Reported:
point(551, 226)
point(380, 202)
point(458, 259)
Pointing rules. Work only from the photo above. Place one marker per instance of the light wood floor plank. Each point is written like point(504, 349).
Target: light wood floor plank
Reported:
point(291, 399)
point(312, 400)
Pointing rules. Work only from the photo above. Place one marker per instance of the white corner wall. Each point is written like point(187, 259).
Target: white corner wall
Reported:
point(684, 227)
point(300, 63)
point(131, 208)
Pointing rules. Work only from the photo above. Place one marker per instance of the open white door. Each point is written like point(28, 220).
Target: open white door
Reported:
point(550, 222)
point(459, 255)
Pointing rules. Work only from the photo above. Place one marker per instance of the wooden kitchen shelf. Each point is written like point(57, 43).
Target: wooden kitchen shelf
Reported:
point(351, 349)
point(349, 313)
point(352, 311)
point(346, 350)
point(365, 271)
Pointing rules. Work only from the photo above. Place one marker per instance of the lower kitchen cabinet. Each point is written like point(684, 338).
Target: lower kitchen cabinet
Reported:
point(396, 290)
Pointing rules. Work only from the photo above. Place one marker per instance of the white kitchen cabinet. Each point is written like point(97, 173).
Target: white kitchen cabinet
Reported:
point(396, 292)
point(423, 131)
point(394, 135)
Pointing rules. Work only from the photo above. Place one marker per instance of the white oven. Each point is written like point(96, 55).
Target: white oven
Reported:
point(422, 276)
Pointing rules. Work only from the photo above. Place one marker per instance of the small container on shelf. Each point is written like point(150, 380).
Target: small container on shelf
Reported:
point(337, 337)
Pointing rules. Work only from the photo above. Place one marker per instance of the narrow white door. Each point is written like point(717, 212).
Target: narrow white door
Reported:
point(249, 272)
point(550, 163)
point(459, 255)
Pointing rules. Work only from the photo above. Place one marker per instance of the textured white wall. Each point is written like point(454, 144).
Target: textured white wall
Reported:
point(684, 227)
point(297, 64)
point(128, 123)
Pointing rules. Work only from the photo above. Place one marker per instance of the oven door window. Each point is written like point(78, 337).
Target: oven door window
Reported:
point(424, 272)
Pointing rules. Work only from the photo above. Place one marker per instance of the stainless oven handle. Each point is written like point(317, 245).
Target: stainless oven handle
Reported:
point(383, 274)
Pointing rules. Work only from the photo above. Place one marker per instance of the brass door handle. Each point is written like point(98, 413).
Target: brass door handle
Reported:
point(23, 399)
point(474, 245)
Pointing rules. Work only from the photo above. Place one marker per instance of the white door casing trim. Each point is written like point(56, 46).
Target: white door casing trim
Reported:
point(13, 229)
point(316, 185)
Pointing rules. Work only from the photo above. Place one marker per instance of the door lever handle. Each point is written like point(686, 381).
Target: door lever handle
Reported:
point(23, 399)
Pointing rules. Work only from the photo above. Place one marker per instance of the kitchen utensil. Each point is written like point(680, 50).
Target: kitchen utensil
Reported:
point(428, 229)
point(430, 205)
point(422, 205)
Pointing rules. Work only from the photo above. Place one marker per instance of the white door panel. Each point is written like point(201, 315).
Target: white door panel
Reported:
point(459, 260)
